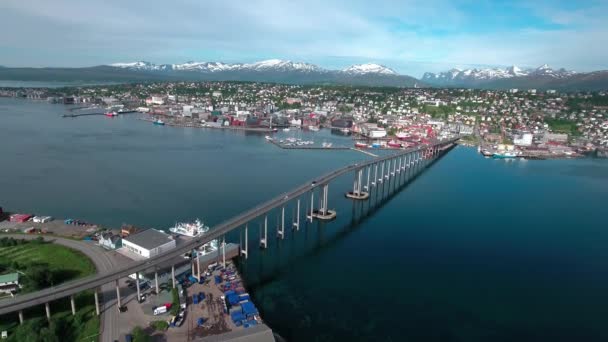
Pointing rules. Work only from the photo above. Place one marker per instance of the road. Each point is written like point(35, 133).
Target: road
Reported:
point(122, 271)
point(103, 262)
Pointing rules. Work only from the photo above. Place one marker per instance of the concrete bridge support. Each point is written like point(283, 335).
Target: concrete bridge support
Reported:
point(20, 316)
point(96, 301)
point(245, 251)
point(137, 286)
point(264, 237)
point(323, 213)
point(156, 276)
point(281, 228)
point(375, 174)
point(118, 304)
point(73, 305)
point(47, 308)
point(357, 193)
point(296, 220)
point(173, 275)
point(369, 171)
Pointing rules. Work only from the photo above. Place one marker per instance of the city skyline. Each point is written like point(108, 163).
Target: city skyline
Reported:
point(411, 37)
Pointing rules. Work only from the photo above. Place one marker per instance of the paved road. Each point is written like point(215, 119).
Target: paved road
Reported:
point(103, 263)
point(118, 272)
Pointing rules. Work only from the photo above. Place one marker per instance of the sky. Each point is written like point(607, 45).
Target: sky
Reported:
point(409, 36)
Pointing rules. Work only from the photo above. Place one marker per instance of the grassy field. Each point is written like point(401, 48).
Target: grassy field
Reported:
point(65, 264)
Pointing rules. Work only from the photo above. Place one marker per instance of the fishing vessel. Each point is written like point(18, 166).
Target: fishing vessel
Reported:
point(192, 229)
point(268, 137)
point(360, 145)
point(504, 155)
point(110, 114)
point(159, 122)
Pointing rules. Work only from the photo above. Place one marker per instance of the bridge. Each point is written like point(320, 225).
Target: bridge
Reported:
point(368, 174)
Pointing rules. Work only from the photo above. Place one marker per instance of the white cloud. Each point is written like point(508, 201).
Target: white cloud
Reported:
point(392, 32)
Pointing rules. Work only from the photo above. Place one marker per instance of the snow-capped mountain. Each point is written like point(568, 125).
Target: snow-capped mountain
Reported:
point(271, 70)
point(469, 77)
point(267, 65)
point(369, 68)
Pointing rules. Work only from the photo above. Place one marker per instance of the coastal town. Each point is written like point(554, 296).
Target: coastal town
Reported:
point(504, 124)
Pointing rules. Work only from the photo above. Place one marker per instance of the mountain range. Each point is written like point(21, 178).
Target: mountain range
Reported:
point(284, 71)
point(542, 77)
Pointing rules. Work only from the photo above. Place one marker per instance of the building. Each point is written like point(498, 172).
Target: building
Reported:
point(9, 282)
point(523, 140)
point(149, 243)
point(110, 240)
point(555, 137)
point(372, 130)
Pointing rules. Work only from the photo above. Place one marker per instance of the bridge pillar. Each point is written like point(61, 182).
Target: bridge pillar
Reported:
point(173, 275)
point(296, 222)
point(156, 280)
point(48, 311)
point(20, 316)
point(398, 169)
point(369, 171)
point(394, 166)
point(281, 231)
point(96, 302)
point(198, 266)
point(245, 250)
point(312, 203)
point(388, 170)
point(323, 213)
point(137, 286)
point(73, 305)
point(357, 193)
point(381, 179)
point(118, 304)
point(224, 251)
point(263, 239)
point(375, 174)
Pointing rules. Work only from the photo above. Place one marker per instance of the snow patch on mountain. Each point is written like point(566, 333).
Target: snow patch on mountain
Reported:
point(369, 68)
point(488, 74)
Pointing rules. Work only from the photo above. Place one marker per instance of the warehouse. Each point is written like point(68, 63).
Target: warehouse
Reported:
point(149, 243)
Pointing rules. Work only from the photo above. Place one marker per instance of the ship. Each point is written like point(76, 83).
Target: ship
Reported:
point(193, 229)
point(159, 122)
point(394, 144)
point(360, 145)
point(268, 137)
point(313, 128)
point(285, 129)
point(110, 114)
point(402, 135)
point(504, 155)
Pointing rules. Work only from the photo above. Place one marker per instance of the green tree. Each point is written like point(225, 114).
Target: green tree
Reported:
point(139, 335)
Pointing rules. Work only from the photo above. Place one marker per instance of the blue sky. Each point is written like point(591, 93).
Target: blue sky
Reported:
point(410, 36)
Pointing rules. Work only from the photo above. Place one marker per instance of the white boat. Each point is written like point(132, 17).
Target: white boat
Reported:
point(313, 128)
point(268, 137)
point(285, 129)
point(193, 229)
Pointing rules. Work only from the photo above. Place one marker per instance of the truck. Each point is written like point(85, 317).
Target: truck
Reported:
point(162, 309)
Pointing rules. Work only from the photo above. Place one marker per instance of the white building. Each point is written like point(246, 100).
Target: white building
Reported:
point(524, 140)
point(149, 243)
point(9, 282)
point(372, 130)
point(157, 100)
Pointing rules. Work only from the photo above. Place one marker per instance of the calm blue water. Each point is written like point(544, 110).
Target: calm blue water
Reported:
point(474, 249)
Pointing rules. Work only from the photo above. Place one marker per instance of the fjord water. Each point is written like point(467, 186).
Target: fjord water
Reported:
point(473, 249)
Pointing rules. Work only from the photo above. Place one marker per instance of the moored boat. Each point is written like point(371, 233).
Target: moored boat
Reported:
point(110, 114)
point(360, 145)
point(504, 155)
point(192, 229)
point(159, 122)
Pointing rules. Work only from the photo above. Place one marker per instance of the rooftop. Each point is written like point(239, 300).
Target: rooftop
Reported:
point(149, 238)
point(9, 278)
